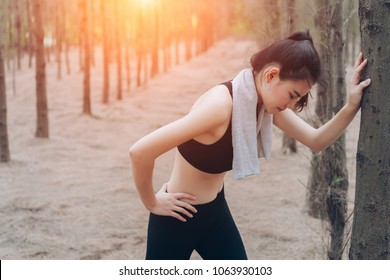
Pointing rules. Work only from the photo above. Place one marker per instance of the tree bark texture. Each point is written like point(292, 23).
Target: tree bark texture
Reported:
point(106, 50)
point(317, 187)
point(118, 47)
point(336, 199)
point(40, 74)
point(289, 144)
point(371, 225)
point(4, 144)
point(87, 58)
point(328, 181)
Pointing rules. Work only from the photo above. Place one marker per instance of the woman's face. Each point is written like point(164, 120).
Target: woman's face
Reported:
point(279, 95)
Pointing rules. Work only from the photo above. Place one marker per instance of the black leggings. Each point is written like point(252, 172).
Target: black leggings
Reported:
point(211, 232)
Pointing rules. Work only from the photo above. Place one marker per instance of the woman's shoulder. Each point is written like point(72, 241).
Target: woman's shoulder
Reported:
point(217, 99)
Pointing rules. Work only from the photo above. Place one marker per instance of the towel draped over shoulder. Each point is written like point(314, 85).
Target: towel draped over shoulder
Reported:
point(251, 134)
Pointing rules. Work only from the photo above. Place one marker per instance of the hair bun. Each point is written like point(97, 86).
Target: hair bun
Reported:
point(301, 36)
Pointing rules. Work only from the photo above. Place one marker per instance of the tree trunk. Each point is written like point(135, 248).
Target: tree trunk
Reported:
point(81, 36)
point(336, 199)
point(18, 26)
point(4, 145)
point(155, 35)
point(118, 43)
point(30, 37)
point(9, 47)
point(106, 60)
point(127, 64)
point(328, 181)
point(317, 188)
point(188, 29)
point(289, 144)
point(59, 35)
point(87, 64)
point(371, 225)
point(140, 47)
point(40, 74)
point(91, 32)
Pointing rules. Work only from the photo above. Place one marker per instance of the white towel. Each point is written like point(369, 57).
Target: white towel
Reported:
point(252, 139)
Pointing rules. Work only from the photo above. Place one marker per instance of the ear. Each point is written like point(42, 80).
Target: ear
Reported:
point(270, 73)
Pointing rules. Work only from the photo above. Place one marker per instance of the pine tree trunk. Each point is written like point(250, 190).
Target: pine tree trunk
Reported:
point(87, 64)
point(336, 199)
point(30, 31)
point(127, 65)
point(328, 182)
point(140, 47)
point(317, 187)
point(10, 37)
point(4, 144)
point(106, 61)
point(18, 26)
point(91, 31)
point(154, 53)
point(118, 47)
point(371, 225)
point(40, 76)
point(289, 144)
point(59, 35)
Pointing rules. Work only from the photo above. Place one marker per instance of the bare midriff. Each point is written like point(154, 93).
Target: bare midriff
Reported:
point(187, 179)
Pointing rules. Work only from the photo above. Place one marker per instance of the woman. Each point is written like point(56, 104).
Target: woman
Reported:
point(227, 128)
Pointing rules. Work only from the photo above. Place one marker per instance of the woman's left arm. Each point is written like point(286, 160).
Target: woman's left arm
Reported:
point(320, 138)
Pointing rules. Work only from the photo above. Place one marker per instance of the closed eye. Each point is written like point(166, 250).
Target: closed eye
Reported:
point(296, 95)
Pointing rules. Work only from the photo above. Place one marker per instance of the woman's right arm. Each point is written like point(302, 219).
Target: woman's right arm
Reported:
point(208, 115)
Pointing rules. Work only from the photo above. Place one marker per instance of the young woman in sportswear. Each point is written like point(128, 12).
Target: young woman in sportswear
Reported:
point(190, 211)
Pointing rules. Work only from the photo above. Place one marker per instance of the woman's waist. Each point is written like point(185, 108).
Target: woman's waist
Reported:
point(205, 191)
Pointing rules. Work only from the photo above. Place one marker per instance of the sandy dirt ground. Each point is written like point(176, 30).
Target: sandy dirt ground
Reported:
point(72, 196)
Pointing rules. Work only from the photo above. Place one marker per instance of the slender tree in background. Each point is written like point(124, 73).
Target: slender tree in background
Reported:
point(140, 44)
point(10, 47)
point(155, 36)
point(47, 12)
point(18, 27)
point(59, 29)
point(167, 35)
point(30, 33)
point(317, 190)
point(352, 35)
point(118, 47)
point(40, 73)
point(289, 144)
point(127, 30)
point(91, 27)
point(371, 225)
point(336, 172)
point(328, 180)
point(106, 54)
point(87, 65)
point(4, 146)
point(188, 35)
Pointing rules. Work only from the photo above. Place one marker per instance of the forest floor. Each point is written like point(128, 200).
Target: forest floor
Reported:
point(72, 196)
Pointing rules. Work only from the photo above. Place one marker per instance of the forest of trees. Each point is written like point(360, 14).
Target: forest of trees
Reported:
point(152, 35)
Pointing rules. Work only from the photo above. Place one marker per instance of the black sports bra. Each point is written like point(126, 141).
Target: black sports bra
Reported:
point(214, 158)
